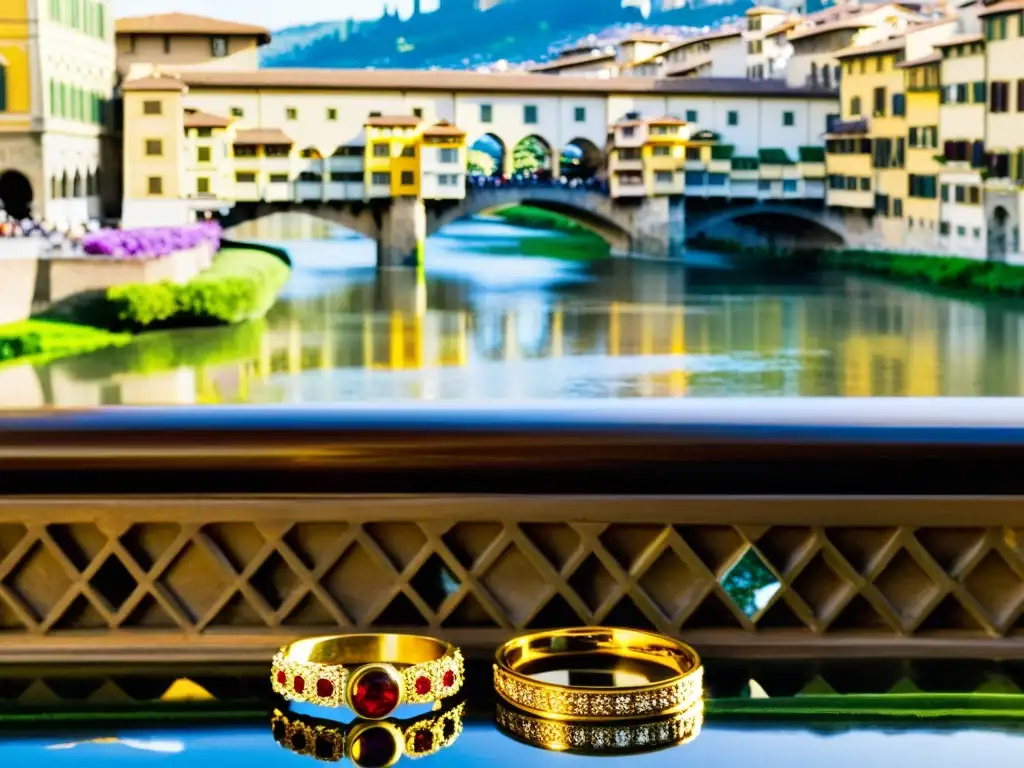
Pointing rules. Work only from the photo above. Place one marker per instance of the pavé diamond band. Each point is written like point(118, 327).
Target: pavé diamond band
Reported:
point(599, 738)
point(373, 744)
point(621, 674)
point(371, 674)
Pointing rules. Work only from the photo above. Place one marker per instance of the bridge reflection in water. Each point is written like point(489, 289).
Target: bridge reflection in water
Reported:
point(860, 339)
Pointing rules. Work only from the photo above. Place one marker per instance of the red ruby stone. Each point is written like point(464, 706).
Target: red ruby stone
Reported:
point(422, 741)
point(448, 679)
point(282, 678)
point(422, 686)
point(299, 684)
point(324, 688)
point(375, 694)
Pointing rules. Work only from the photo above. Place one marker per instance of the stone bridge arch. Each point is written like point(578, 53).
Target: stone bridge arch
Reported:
point(590, 209)
point(825, 222)
point(362, 217)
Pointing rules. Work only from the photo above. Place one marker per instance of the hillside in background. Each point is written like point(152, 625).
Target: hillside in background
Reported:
point(458, 36)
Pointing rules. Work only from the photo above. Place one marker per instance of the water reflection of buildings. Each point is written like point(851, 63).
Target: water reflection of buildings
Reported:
point(861, 339)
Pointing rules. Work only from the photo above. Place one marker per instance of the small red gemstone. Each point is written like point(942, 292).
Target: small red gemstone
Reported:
point(324, 688)
point(281, 677)
point(299, 684)
point(448, 679)
point(422, 741)
point(422, 685)
point(375, 694)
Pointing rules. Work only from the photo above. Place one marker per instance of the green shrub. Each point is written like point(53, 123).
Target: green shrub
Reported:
point(46, 340)
point(241, 284)
point(12, 347)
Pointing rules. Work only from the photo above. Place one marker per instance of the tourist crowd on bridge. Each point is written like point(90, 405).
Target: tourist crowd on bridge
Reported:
point(64, 240)
point(538, 179)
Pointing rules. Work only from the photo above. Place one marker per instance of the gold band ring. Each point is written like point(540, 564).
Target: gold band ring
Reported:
point(370, 674)
point(675, 685)
point(597, 739)
point(367, 744)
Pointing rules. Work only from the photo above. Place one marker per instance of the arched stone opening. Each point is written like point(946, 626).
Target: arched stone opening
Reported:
point(65, 186)
point(487, 157)
point(55, 190)
point(533, 157)
point(76, 185)
point(611, 232)
point(16, 194)
point(999, 233)
point(312, 165)
point(773, 228)
point(582, 159)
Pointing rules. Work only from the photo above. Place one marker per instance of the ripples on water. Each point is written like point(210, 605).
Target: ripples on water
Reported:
point(490, 324)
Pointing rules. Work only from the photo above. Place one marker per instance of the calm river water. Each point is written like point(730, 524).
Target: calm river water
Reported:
point(490, 323)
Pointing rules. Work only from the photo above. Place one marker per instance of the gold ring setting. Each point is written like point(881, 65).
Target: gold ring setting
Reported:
point(679, 689)
point(370, 674)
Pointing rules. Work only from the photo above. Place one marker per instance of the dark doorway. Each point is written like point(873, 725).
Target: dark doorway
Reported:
point(16, 194)
point(998, 234)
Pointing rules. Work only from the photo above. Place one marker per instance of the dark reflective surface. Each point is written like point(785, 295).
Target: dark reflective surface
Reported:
point(777, 714)
point(498, 317)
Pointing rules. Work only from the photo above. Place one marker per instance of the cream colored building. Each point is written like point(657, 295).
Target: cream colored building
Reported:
point(183, 40)
point(59, 75)
point(767, 51)
point(1003, 31)
point(817, 38)
point(962, 121)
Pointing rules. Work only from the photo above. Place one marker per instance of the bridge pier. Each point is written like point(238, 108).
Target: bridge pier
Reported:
point(402, 233)
point(656, 226)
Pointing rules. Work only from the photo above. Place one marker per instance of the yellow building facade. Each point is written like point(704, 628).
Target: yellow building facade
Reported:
point(923, 87)
point(874, 101)
point(154, 139)
point(57, 77)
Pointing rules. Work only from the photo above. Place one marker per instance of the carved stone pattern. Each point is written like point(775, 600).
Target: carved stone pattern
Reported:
point(478, 582)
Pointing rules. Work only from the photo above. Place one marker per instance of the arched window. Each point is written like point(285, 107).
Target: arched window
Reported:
point(3, 84)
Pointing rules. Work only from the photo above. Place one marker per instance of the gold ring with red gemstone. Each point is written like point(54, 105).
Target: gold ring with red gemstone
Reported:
point(370, 674)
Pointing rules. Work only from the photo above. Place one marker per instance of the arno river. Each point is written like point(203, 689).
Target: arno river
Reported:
point(490, 323)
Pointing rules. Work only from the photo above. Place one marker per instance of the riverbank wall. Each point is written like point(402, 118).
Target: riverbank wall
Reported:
point(954, 273)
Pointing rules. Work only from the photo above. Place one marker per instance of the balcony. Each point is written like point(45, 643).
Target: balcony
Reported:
point(168, 504)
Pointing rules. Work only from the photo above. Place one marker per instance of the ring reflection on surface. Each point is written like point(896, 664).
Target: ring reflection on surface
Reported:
point(598, 673)
point(591, 738)
point(367, 743)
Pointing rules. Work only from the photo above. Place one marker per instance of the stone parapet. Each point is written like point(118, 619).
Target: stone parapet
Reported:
point(68, 276)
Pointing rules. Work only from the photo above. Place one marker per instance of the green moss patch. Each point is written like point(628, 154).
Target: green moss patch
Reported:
point(39, 341)
point(579, 243)
point(945, 272)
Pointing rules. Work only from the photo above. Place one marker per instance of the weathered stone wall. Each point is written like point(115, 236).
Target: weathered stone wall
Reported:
point(19, 267)
point(403, 233)
point(69, 276)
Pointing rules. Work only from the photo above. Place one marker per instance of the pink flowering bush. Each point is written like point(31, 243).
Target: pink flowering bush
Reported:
point(151, 242)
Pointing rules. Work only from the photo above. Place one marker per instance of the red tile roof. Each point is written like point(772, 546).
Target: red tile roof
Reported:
point(155, 83)
point(263, 136)
point(187, 24)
